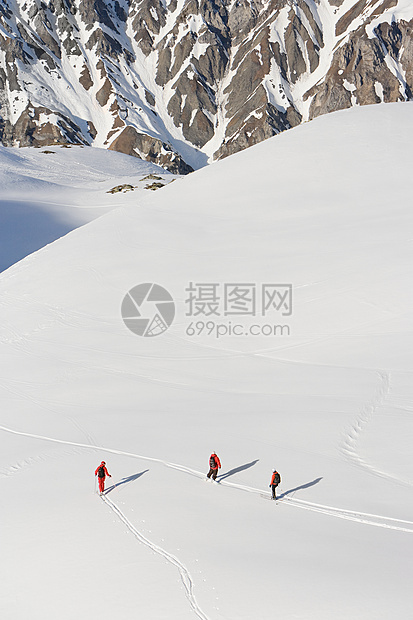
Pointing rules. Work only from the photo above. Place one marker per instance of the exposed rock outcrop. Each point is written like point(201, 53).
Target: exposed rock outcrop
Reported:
point(140, 145)
point(360, 74)
point(39, 126)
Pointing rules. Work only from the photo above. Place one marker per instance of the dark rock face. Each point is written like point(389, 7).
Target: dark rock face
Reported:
point(41, 127)
point(133, 143)
point(169, 81)
point(360, 73)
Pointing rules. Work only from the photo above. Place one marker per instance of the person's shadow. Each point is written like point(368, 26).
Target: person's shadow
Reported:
point(303, 486)
point(236, 470)
point(125, 481)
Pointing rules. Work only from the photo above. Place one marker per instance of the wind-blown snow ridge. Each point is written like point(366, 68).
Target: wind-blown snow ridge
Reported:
point(183, 571)
point(327, 510)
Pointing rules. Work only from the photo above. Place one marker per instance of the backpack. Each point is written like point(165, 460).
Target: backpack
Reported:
point(212, 462)
point(101, 472)
point(277, 478)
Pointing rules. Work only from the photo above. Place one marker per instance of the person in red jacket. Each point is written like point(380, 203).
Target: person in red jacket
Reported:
point(214, 465)
point(275, 481)
point(101, 472)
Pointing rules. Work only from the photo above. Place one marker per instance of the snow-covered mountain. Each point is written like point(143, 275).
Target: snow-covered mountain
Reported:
point(324, 207)
point(183, 82)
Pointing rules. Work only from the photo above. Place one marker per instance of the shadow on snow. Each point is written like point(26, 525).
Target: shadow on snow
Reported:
point(125, 481)
point(303, 486)
point(236, 470)
point(27, 227)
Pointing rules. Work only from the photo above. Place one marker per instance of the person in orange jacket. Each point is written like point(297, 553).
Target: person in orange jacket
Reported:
point(101, 472)
point(275, 481)
point(214, 465)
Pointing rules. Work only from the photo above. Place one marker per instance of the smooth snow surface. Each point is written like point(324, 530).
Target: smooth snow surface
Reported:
point(46, 193)
point(325, 207)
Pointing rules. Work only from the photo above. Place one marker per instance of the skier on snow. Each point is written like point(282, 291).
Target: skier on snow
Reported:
point(275, 481)
point(214, 465)
point(101, 472)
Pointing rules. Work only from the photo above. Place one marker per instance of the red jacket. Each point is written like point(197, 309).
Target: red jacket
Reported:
point(214, 461)
point(276, 478)
point(104, 469)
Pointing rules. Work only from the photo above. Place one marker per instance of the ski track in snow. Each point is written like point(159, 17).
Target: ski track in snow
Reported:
point(341, 513)
point(183, 571)
point(349, 444)
point(350, 515)
point(23, 464)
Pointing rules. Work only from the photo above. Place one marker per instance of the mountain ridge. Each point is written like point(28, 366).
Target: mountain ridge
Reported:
point(187, 82)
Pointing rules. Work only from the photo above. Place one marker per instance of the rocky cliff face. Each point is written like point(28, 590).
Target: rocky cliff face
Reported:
point(183, 82)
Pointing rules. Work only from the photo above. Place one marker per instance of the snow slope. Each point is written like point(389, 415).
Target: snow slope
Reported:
point(46, 193)
point(324, 207)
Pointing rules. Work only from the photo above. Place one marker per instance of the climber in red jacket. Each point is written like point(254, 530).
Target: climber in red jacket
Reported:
point(101, 472)
point(214, 465)
point(275, 481)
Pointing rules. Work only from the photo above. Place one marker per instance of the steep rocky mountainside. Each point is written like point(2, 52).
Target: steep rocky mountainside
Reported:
point(183, 82)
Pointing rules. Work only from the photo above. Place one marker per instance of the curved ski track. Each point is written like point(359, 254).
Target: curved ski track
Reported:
point(183, 571)
point(342, 513)
point(349, 443)
point(359, 517)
